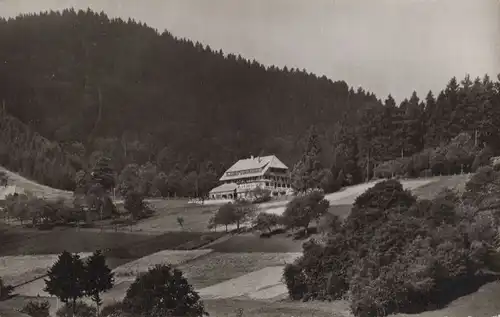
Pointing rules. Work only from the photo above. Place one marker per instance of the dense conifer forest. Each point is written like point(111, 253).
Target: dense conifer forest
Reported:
point(181, 112)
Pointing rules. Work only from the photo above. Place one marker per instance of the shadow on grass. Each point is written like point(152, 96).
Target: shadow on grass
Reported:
point(169, 241)
point(448, 292)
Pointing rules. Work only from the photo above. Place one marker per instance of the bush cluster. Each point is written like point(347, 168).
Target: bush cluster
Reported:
point(36, 309)
point(46, 214)
point(396, 254)
point(461, 155)
point(232, 214)
point(42, 213)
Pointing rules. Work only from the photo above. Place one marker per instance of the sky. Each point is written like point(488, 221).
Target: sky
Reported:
point(384, 46)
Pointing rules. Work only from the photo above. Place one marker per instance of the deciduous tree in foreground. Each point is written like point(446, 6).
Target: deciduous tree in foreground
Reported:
point(303, 209)
point(163, 291)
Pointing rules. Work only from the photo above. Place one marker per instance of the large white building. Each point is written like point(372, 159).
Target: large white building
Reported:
point(266, 172)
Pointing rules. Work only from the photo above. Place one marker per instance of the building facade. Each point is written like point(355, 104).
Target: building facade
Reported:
point(266, 172)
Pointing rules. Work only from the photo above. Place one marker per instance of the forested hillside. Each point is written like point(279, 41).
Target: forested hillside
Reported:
point(183, 112)
point(24, 150)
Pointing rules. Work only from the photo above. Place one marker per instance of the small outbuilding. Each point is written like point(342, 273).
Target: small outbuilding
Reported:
point(224, 191)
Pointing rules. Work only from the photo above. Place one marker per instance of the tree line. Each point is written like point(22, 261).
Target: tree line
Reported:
point(177, 113)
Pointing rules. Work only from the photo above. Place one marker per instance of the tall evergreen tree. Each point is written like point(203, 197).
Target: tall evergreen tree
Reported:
point(308, 172)
point(431, 120)
point(98, 277)
point(65, 279)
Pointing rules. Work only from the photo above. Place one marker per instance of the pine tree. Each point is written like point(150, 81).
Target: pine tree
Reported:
point(66, 278)
point(103, 173)
point(98, 277)
point(431, 116)
point(308, 172)
point(413, 130)
point(489, 124)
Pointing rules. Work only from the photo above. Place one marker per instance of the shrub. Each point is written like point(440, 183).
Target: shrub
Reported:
point(180, 221)
point(113, 310)
point(329, 223)
point(36, 309)
point(81, 309)
point(260, 195)
point(385, 195)
point(295, 281)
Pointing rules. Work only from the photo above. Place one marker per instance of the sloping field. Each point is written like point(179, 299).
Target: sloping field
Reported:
point(250, 243)
point(195, 217)
point(15, 241)
point(33, 242)
point(213, 268)
point(266, 308)
point(262, 284)
point(349, 195)
point(219, 267)
point(429, 191)
point(16, 270)
point(424, 188)
point(36, 189)
point(173, 257)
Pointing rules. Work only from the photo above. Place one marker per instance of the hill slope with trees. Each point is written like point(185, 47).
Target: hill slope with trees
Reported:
point(178, 113)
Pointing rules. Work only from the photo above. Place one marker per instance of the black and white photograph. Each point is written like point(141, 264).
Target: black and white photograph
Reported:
point(249, 158)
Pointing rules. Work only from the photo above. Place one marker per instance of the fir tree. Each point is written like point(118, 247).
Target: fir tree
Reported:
point(103, 174)
point(98, 277)
point(308, 172)
point(66, 278)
